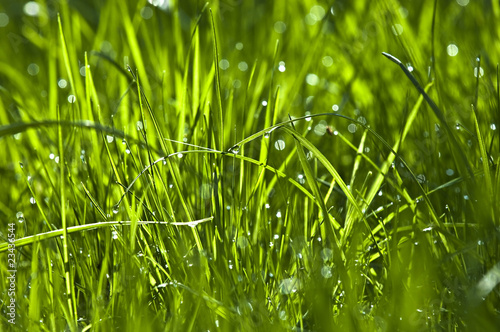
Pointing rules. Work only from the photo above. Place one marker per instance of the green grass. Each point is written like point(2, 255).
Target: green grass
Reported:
point(250, 165)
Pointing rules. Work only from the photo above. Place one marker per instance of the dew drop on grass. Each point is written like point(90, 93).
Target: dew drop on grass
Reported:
point(352, 128)
point(235, 149)
point(33, 69)
point(279, 27)
point(20, 217)
point(480, 70)
point(279, 145)
point(278, 215)
point(32, 200)
point(326, 272)
point(452, 50)
point(62, 83)
point(110, 138)
point(116, 209)
point(301, 179)
point(71, 99)
point(281, 66)
point(114, 235)
point(493, 126)
point(267, 134)
point(267, 206)
point(224, 64)
point(264, 103)
point(139, 125)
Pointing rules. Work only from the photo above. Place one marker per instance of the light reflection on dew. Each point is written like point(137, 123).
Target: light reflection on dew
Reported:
point(31, 8)
point(139, 125)
point(239, 46)
point(20, 217)
point(327, 61)
point(463, 3)
point(146, 13)
point(320, 129)
point(308, 118)
point(352, 128)
point(450, 172)
point(62, 83)
point(281, 66)
point(326, 272)
point(162, 4)
point(51, 156)
point(335, 107)
point(452, 50)
point(82, 71)
point(110, 138)
point(312, 79)
point(481, 71)
point(280, 27)
point(243, 66)
point(224, 64)
point(32, 200)
point(33, 69)
point(493, 126)
point(278, 215)
point(4, 20)
point(264, 103)
point(301, 179)
point(71, 99)
point(397, 29)
point(279, 145)
point(114, 235)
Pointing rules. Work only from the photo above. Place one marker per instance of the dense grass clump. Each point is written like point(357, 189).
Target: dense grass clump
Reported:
point(249, 165)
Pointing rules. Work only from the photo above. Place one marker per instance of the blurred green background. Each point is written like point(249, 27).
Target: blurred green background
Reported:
point(416, 248)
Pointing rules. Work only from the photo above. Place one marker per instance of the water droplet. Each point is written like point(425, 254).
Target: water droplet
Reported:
point(301, 179)
point(114, 235)
point(139, 125)
point(279, 145)
point(110, 138)
point(235, 149)
point(32, 200)
point(267, 134)
point(116, 209)
point(278, 214)
point(21, 165)
point(20, 217)
point(326, 272)
point(281, 66)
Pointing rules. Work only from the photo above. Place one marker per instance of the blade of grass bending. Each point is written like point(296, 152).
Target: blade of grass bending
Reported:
point(323, 160)
point(219, 122)
point(311, 180)
point(485, 163)
point(94, 202)
point(65, 54)
point(80, 228)
point(437, 112)
point(70, 291)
